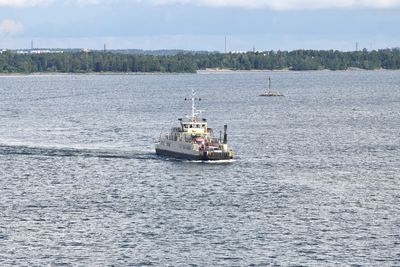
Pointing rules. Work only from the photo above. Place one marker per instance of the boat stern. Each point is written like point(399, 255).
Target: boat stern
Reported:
point(218, 155)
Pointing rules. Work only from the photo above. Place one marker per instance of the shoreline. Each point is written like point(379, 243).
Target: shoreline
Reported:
point(201, 71)
point(288, 70)
point(84, 73)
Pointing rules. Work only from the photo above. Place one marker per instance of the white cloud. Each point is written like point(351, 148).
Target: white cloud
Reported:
point(31, 3)
point(10, 27)
point(286, 4)
point(23, 3)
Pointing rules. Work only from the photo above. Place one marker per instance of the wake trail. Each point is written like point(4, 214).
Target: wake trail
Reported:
point(52, 151)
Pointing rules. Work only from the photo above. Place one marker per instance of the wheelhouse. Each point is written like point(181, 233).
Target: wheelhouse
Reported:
point(194, 127)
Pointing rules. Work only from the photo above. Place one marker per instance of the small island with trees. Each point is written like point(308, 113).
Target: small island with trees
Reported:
point(121, 61)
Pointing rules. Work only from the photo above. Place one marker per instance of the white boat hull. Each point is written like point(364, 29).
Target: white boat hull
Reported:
point(182, 150)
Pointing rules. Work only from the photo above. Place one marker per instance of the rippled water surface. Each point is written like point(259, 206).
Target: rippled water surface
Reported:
point(316, 181)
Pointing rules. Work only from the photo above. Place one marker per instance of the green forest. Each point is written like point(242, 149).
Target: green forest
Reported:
point(190, 62)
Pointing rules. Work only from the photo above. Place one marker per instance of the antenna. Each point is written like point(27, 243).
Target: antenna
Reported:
point(356, 46)
point(225, 44)
point(105, 49)
point(31, 44)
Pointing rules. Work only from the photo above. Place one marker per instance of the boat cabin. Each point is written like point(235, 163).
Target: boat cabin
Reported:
point(194, 127)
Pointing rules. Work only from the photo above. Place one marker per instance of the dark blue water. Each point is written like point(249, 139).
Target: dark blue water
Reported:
point(316, 181)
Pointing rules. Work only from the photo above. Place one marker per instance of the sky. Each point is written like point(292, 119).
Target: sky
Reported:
point(200, 24)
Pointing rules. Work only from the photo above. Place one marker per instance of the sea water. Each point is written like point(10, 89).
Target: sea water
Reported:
point(316, 180)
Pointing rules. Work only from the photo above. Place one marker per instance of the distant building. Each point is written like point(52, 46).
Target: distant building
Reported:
point(39, 51)
point(238, 52)
point(22, 52)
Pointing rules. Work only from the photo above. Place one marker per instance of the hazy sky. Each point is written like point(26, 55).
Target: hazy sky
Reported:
point(200, 24)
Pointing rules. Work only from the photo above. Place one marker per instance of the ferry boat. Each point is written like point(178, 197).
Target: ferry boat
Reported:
point(193, 140)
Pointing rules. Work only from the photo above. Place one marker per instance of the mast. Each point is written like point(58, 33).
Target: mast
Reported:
point(194, 111)
point(193, 107)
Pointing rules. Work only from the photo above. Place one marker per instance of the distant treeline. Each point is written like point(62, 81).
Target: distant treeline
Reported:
point(96, 61)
